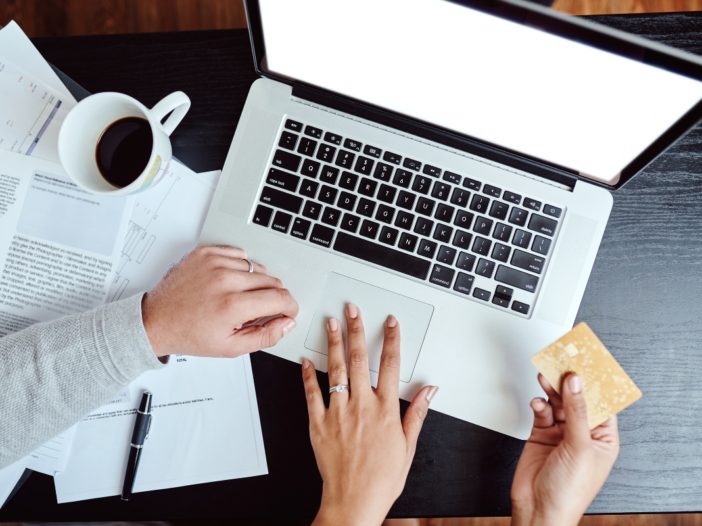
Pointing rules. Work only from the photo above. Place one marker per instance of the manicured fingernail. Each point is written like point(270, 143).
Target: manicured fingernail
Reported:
point(575, 383)
point(432, 392)
point(538, 404)
point(288, 327)
point(352, 311)
point(306, 363)
point(391, 321)
point(332, 325)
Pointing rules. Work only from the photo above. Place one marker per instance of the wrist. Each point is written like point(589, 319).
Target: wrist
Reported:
point(345, 510)
point(529, 516)
point(149, 320)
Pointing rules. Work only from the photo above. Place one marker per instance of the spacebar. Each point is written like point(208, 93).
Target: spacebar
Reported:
point(380, 255)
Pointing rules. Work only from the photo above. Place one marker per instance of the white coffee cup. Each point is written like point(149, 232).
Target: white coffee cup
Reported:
point(83, 126)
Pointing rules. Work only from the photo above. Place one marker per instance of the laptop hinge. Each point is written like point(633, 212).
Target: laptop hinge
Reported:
point(419, 129)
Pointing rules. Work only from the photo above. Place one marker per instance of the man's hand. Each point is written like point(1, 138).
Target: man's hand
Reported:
point(204, 306)
point(563, 464)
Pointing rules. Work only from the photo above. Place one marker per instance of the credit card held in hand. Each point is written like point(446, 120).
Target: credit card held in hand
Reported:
point(608, 389)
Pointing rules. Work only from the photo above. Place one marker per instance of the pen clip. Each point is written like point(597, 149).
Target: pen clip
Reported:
point(148, 429)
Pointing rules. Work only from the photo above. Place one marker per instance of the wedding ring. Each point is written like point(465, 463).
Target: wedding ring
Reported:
point(250, 265)
point(339, 388)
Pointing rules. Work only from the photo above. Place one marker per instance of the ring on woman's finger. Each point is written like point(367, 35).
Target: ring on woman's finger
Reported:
point(339, 388)
point(251, 267)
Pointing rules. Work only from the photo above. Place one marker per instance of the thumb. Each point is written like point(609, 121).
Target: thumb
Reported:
point(256, 337)
point(577, 429)
point(416, 413)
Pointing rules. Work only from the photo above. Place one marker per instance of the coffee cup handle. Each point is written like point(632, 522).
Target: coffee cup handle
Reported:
point(177, 102)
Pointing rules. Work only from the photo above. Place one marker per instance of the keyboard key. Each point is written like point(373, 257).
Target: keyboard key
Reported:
point(446, 255)
point(427, 248)
point(501, 252)
point(518, 216)
point(328, 194)
point(281, 222)
point(541, 245)
point(466, 261)
point(423, 226)
point(483, 225)
point(441, 190)
point(404, 220)
point(463, 219)
point(278, 199)
point(288, 140)
point(307, 146)
point(369, 229)
point(405, 200)
point(322, 235)
point(521, 239)
point(293, 125)
point(521, 308)
point(512, 197)
point(388, 235)
point(460, 197)
point(402, 178)
point(533, 204)
point(326, 153)
point(444, 212)
point(386, 194)
point(502, 232)
point(542, 224)
point(365, 207)
point(472, 184)
point(443, 233)
point(492, 190)
point(407, 242)
point(309, 188)
point(479, 203)
point(313, 132)
point(431, 170)
point(286, 160)
point(372, 151)
point(502, 302)
point(364, 165)
point(312, 210)
point(412, 164)
point(300, 228)
point(367, 187)
point(421, 184)
point(346, 201)
point(333, 138)
point(481, 246)
point(516, 278)
point(464, 282)
point(385, 214)
point(485, 268)
point(331, 216)
point(452, 177)
point(553, 211)
point(352, 145)
point(348, 181)
point(329, 174)
point(281, 179)
point(310, 168)
point(527, 261)
point(481, 294)
point(382, 255)
point(392, 157)
point(425, 206)
point(262, 215)
point(383, 172)
point(504, 292)
point(462, 239)
point(499, 210)
point(442, 276)
point(345, 159)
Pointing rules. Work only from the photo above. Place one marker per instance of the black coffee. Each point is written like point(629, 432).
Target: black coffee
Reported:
point(123, 150)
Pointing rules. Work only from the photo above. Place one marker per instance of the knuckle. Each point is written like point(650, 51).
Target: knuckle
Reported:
point(267, 339)
point(262, 269)
point(421, 413)
point(392, 336)
point(337, 370)
point(357, 359)
point(391, 360)
point(284, 295)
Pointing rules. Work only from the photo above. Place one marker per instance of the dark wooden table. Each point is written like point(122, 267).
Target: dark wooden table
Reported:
point(644, 300)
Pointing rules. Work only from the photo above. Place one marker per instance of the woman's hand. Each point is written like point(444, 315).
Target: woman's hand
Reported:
point(205, 306)
point(363, 449)
point(563, 464)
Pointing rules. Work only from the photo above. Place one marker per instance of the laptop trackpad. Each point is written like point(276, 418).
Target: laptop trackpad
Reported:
point(376, 305)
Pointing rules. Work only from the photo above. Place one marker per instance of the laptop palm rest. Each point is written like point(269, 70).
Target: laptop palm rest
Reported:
point(376, 305)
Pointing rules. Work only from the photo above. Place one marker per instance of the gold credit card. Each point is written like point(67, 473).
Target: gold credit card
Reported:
point(608, 389)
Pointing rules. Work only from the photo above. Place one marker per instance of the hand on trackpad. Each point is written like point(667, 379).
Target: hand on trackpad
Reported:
point(376, 304)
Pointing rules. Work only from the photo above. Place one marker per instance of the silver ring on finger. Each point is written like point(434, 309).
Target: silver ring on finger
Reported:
point(250, 264)
point(339, 388)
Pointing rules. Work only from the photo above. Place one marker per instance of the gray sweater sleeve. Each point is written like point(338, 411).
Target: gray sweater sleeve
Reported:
point(52, 374)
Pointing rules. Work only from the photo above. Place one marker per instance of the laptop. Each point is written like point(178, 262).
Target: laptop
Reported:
point(448, 162)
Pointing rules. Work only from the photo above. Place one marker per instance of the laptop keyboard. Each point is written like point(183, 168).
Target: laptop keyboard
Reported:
point(395, 211)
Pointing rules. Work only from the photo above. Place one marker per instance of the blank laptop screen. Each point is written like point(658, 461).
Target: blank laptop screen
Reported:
point(479, 75)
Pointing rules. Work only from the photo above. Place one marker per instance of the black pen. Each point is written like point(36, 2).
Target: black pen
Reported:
point(142, 425)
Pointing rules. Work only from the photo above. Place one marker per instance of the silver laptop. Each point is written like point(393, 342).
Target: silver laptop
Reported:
point(451, 163)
